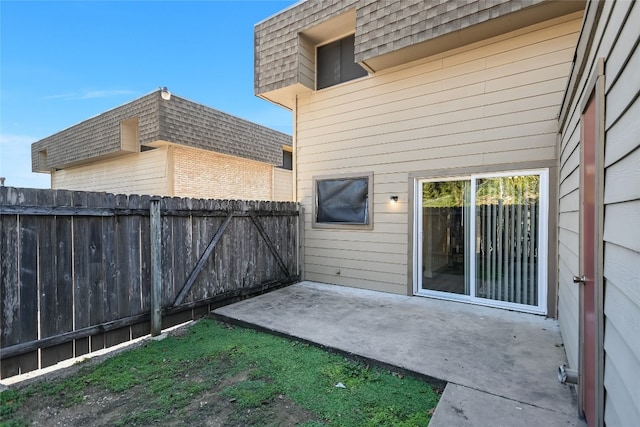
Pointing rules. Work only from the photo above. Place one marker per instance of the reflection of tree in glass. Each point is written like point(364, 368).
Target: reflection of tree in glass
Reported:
point(444, 194)
point(512, 190)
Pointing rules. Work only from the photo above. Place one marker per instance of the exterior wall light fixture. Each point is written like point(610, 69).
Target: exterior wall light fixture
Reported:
point(394, 199)
point(164, 93)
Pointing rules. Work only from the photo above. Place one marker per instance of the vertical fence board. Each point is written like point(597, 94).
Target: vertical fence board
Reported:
point(29, 294)
point(10, 297)
point(97, 272)
point(167, 254)
point(145, 257)
point(81, 283)
point(134, 297)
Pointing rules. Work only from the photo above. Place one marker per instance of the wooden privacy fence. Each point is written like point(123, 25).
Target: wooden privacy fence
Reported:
point(77, 269)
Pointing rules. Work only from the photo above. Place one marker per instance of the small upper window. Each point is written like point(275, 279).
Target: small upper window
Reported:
point(287, 159)
point(336, 63)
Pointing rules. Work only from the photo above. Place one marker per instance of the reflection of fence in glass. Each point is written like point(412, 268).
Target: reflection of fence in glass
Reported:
point(506, 239)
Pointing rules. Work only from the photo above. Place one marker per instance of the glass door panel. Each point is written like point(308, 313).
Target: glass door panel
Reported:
point(506, 236)
point(445, 230)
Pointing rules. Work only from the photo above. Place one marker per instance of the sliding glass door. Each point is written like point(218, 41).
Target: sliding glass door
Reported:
point(482, 238)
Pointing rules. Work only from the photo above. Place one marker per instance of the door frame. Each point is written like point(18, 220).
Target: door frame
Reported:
point(543, 240)
point(595, 89)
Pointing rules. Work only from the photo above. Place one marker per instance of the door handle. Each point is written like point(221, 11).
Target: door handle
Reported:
point(579, 279)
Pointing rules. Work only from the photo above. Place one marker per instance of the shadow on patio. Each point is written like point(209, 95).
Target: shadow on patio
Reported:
point(500, 366)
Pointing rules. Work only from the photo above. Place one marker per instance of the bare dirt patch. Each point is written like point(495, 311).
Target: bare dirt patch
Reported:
point(103, 408)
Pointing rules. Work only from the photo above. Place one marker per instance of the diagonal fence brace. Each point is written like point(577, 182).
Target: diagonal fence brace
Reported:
point(266, 239)
point(201, 261)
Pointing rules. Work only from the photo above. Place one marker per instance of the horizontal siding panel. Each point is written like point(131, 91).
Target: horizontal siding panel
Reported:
point(541, 47)
point(619, 404)
point(505, 158)
point(620, 355)
point(569, 328)
point(571, 183)
point(622, 269)
point(348, 263)
point(622, 346)
point(374, 285)
point(401, 151)
point(570, 202)
point(621, 224)
point(570, 221)
point(623, 179)
point(569, 239)
point(625, 89)
point(626, 39)
point(570, 144)
point(373, 256)
point(392, 279)
point(430, 99)
point(623, 137)
point(426, 127)
point(570, 156)
point(394, 243)
point(623, 315)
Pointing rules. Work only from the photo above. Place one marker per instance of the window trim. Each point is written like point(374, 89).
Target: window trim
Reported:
point(337, 225)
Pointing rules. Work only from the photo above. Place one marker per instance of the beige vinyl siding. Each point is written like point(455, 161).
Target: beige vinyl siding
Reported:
point(282, 184)
point(617, 35)
point(487, 104)
point(205, 174)
point(139, 173)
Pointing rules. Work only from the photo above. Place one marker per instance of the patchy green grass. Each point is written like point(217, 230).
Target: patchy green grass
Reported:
point(233, 375)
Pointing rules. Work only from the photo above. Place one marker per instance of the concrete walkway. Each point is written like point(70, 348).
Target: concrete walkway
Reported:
point(500, 366)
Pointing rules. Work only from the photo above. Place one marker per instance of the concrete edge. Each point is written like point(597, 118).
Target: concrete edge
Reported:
point(439, 384)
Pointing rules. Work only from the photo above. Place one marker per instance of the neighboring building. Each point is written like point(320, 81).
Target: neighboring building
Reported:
point(168, 147)
point(436, 151)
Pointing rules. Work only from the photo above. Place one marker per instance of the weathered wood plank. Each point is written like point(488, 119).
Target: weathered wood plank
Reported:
point(75, 335)
point(145, 257)
point(97, 273)
point(9, 281)
point(81, 272)
point(133, 290)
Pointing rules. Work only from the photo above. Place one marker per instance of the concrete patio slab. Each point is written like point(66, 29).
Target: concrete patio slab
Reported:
point(500, 366)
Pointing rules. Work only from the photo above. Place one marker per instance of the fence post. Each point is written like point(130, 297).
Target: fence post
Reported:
point(156, 267)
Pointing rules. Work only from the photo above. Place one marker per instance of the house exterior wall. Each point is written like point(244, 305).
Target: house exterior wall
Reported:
point(615, 38)
point(487, 106)
point(137, 173)
point(205, 174)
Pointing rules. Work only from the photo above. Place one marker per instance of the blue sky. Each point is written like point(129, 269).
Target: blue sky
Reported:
point(64, 62)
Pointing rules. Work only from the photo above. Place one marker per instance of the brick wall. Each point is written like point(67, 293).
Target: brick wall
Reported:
point(205, 174)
